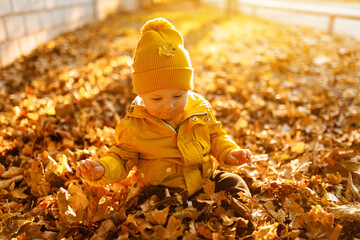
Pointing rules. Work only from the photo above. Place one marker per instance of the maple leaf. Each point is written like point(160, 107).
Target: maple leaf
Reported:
point(167, 50)
point(320, 224)
point(173, 230)
point(210, 196)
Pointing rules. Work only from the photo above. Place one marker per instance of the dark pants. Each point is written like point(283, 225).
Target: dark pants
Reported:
point(230, 183)
point(233, 184)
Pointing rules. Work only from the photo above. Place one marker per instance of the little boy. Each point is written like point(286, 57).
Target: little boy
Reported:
point(169, 132)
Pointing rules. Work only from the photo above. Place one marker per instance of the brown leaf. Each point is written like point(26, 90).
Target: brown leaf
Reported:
point(49, 235)
point(320, 224)
point(278, 214)
point(353, 188)
point(157, 216)
point(106, 228)
point(189, 212)
point(12, 172)
point(346, 212)
point(2, 169)
point(30, 230)
point(19, 193)
point(175, 227)
point(8, 182)
point(205, 232)
point(339, 155)
point(173, 230)
point(292, 207)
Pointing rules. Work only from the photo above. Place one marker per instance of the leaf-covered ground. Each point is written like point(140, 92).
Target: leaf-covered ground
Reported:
point(290, 94)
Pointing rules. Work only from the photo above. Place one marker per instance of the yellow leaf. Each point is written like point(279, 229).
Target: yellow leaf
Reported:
point(51, 110)
point(334, 178)
point(266, 232)
point(33, 116)
point(61, 167)
point(241, 123)
point(108, 69)
point(51, 44)
point(298, 147)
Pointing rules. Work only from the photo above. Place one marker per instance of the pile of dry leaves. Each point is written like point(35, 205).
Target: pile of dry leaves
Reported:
point(289, 94)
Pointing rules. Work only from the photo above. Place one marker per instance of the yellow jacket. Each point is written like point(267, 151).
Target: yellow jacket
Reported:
point(182, 157)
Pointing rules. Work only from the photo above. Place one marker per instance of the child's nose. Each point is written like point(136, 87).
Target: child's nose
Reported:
point(169, 105)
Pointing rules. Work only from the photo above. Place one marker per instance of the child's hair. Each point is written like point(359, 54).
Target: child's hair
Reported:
point(160, 60)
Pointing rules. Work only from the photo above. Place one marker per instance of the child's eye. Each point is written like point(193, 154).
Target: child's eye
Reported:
point(156, 99)
point(177, 96)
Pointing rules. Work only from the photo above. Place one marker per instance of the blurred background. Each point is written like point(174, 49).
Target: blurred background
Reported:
point(25, 24)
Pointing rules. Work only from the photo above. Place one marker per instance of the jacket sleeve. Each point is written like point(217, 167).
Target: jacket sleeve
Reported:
point(221, 143)
point(119, 159)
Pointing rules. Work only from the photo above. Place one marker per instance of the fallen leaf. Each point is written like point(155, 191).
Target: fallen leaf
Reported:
point(173, 230)
point(278, 214)
point(298, 147)
point(266, 232)
point(12, 172)
point(157, 217)
point(106, 228)
point(205, 232)
point(8, 182)
point(19, 193)
point(346, 212)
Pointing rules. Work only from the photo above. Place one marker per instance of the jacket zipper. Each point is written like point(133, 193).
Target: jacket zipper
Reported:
point(175, 130)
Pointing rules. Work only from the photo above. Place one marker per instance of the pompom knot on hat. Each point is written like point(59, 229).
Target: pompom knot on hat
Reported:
point(160, 60)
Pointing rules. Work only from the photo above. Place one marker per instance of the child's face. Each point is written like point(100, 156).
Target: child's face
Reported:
point(165, 104)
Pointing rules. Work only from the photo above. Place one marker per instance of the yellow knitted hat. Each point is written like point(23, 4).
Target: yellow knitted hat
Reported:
point(161, 61)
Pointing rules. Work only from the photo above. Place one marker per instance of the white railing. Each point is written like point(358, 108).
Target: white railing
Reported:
point(332, 12)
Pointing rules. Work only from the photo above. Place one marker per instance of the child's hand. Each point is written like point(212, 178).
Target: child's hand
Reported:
point(239, 157)
point(90, 170)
